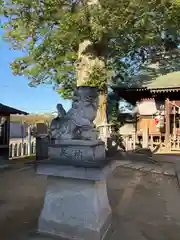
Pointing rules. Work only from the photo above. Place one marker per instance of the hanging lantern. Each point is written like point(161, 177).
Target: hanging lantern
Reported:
point(159, 120)
point(156, 119)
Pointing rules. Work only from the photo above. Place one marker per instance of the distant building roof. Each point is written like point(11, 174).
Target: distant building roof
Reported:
point(32, 118)
point(170, 80)
point(9, 110)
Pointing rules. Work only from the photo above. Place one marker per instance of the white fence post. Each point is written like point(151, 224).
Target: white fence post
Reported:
point(126, 143)
point(29, 140)
point(17, 149)
point(104, 132)
point(134, 139)
point(12, 145)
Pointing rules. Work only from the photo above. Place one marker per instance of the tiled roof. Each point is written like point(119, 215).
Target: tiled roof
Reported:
point(170, 80)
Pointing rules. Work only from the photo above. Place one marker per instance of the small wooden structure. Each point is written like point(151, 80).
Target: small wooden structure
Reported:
point(161, 96)
point(5, 112)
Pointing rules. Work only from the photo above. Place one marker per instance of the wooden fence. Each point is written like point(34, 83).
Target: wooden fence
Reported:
point(126, 141)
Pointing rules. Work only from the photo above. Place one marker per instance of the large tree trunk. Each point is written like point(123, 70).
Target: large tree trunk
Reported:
point(101, 117)
point(87, 60)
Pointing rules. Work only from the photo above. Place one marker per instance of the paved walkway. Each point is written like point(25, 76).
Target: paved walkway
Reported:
point(158, 168)
point(145, 205)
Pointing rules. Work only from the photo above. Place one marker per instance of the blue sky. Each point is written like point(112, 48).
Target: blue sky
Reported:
point(15, 92)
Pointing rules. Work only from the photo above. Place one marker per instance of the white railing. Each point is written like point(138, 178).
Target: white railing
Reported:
point(128, 140)
point(19, 148)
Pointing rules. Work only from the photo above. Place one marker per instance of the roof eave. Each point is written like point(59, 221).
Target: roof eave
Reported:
point(9, 110)
point(142, 89)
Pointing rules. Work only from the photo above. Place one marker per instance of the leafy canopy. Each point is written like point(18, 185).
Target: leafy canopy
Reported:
point(49, 32)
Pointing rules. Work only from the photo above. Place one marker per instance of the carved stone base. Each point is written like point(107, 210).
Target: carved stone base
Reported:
point(76, 204)
point(78, 153)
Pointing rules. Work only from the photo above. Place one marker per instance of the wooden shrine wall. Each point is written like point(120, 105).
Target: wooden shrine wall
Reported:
point(147, 122)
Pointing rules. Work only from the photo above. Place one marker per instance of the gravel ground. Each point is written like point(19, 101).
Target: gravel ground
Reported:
point(145, 205)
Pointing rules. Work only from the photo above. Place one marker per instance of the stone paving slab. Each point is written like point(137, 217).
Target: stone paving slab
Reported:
point(157, 170)
point(148, 167)
point(169, 172)
point(178, 178)
point(129, 165)
point(138, 167)
point(123, 162)
point(36, 236)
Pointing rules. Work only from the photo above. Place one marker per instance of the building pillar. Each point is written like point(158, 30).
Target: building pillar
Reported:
point(145, 136)
point(167, 127)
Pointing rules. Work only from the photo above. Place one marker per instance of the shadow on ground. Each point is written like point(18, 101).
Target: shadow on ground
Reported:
point(145, 206)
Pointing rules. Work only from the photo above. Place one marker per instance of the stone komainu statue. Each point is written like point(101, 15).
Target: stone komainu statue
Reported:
point(55, 124)
point(77, 123)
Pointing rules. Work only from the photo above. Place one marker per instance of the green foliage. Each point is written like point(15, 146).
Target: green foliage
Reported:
point(98, 78)
point(114, 120)
point(49, 32)
point(114, 116)
point(113, 110)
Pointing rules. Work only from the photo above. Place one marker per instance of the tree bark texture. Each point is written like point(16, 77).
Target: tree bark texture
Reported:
point(87, 60)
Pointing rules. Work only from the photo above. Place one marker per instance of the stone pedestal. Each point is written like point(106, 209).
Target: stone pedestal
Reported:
point(76, 204)
point(78, 153)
